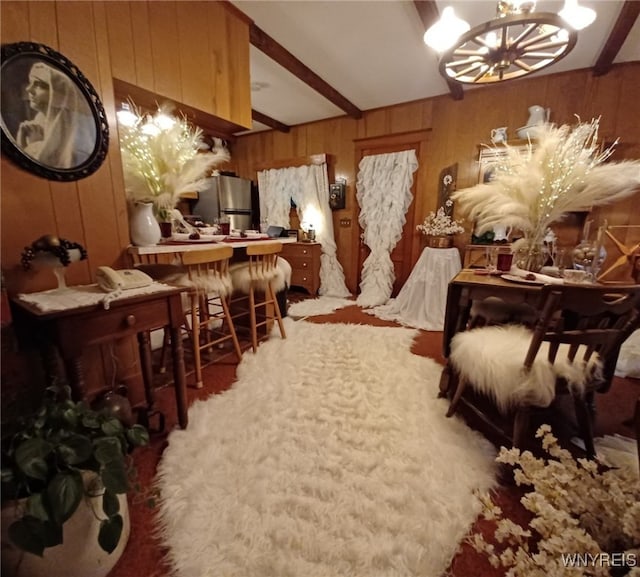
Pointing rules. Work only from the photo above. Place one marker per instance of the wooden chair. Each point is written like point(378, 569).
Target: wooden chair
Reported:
point(255, 284)
point(210, 286)
point(573, 349)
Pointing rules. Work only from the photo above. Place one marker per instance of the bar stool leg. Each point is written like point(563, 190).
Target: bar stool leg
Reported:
point(252, 317)
point(195, 339)
point(232, 330)
point(276, 309)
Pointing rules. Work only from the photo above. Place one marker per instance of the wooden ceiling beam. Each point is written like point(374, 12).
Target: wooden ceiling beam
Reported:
point(262, 41)
point(268, 121)
point(626, 19)
point(429, 14)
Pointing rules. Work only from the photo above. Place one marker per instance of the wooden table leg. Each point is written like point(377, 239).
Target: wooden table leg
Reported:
point(144, 345)
point(445, 377)
point(75, 374)
point(179, 377)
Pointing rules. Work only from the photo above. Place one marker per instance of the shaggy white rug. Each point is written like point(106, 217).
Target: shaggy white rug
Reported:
point(319, 306)
point(330, 456)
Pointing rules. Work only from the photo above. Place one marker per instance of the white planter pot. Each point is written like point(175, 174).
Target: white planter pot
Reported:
point(143, 226)
point(80, 555)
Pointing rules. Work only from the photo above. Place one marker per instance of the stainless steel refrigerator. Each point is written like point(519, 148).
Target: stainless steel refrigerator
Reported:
point(227, 196)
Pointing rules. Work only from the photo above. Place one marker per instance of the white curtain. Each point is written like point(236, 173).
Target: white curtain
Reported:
point(384, 195)
point(308, 187)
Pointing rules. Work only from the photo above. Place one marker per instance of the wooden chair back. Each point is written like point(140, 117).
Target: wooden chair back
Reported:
point(588, 319)
point(203, 264)
point(263, 260)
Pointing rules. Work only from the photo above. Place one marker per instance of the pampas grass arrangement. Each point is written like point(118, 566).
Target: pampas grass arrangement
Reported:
point(563, 172)
point(163, 156)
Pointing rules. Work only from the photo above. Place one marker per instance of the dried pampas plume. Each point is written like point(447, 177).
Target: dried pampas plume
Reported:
point(563, 171)
point(164, 156)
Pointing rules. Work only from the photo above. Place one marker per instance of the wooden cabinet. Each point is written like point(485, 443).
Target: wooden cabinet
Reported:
point(192, 53)
point(304, 258)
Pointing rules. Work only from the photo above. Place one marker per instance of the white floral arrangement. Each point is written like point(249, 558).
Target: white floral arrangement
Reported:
point(586, 517)
point(164, 156)
point(440, 223)
point(564, 170)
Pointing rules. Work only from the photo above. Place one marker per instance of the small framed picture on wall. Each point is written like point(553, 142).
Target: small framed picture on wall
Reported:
point(490, 157)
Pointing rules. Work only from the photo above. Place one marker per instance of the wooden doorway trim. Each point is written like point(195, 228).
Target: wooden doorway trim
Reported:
point(406, 252)
point(391, 139)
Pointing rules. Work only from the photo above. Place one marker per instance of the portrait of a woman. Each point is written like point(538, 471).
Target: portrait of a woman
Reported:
point(62, 132)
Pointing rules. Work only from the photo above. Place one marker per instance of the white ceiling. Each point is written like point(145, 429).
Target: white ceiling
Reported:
point(373, 54)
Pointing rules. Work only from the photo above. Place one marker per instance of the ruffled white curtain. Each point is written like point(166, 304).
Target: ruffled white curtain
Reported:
point(384, 194)
point(308, 187)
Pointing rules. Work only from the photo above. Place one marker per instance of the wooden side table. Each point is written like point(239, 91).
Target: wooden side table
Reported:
point(304, 258)
point(69, 331)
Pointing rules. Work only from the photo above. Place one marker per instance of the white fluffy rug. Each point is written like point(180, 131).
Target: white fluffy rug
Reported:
point(319, 306)
point(330, 456)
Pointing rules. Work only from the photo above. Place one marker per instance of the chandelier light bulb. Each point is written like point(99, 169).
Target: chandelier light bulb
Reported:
point(578, 17)
point(492, 39)
point(446, 31)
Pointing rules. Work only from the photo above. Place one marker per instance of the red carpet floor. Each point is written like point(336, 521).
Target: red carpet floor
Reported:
point(143, 556)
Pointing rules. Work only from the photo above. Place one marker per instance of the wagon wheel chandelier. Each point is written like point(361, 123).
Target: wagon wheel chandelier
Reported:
point(517, 42)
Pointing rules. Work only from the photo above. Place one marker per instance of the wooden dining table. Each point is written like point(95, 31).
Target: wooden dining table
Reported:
point(473, 284)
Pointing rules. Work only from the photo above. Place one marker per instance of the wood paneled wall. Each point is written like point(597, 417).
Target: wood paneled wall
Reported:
point(193, 52)
point(457, 129)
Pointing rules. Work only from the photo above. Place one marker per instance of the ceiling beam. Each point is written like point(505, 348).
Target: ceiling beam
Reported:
point(262, 41)
point(268, 121)
point(429, 14)
point(626, 19)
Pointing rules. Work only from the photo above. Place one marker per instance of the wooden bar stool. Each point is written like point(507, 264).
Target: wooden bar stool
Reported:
point(210, 286)
point(259, 276)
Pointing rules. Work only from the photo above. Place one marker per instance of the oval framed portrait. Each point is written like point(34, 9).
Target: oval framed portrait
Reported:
point(53, 122)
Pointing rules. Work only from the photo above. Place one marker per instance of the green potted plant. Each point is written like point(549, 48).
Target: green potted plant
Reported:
point(61, 460)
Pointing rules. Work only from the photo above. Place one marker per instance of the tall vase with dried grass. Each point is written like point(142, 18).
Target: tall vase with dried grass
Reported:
point(163, 157)
point(564, 172)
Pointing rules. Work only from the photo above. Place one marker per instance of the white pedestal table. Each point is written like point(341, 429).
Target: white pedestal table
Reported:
point(422, 301)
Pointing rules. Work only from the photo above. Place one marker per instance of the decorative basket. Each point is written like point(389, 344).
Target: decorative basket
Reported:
point(440, 241)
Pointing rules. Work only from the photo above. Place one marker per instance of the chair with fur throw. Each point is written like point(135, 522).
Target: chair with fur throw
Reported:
point(255, 284)
point(573, 349)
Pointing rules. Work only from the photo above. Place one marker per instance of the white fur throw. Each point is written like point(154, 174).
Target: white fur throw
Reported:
point(241, 276)
point(285, 267)
point(491, 360)
point(213, 283)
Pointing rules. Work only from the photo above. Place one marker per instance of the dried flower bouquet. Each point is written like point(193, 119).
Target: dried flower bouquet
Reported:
point(164, 156)
point(563, 171)
point(440, 223)
point(585, 520)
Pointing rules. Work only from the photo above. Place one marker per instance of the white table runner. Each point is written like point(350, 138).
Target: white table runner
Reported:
point(74, 297)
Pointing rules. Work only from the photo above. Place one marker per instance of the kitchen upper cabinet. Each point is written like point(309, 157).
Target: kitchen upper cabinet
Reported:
point(196, 53)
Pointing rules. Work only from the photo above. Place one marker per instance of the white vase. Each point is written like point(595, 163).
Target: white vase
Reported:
point(79, 555)
point(143, 226)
